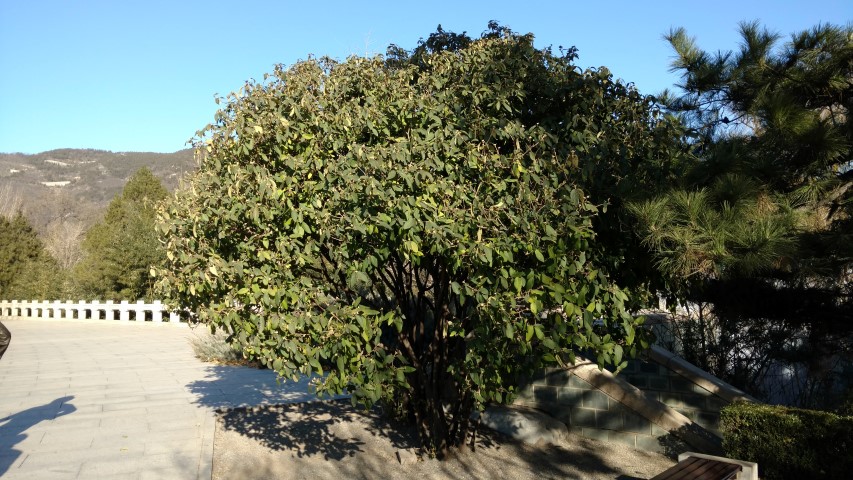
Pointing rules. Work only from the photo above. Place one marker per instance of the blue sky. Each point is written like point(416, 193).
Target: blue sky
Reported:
point(141, 75)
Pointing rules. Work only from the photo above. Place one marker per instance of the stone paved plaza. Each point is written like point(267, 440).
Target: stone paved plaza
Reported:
point(107, 399)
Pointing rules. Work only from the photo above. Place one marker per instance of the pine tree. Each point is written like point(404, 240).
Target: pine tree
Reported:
point(121, 249)
point(27, 271)
point(760, 226)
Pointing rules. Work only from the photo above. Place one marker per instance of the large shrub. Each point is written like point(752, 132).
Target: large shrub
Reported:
point(416, 229)
point(789, 442)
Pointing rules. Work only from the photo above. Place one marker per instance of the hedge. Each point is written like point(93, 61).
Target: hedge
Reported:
point(789, 442)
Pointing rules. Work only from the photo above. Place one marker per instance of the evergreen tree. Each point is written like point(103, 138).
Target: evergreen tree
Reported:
point(27, 271)
point(761, 226)
point(121, 249)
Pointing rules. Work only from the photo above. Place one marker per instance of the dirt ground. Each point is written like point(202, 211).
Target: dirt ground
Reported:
point(331, 440)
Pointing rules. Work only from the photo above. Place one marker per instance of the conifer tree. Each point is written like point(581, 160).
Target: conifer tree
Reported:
point(121, 249)
point(27, 271)
point(760, 226)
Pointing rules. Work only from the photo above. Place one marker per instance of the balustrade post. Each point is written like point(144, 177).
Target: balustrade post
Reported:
point(57, 312)
point(124, 311)
point(81, 310)
point(109, 310)
point(96, 309)
point(68, 308)
point(157, 312)
point(140, 310)
point(174, 317)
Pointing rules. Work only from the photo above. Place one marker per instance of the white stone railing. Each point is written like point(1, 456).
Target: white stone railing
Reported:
point(124, 311)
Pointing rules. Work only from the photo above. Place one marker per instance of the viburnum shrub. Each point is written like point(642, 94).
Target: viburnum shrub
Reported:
point(414, 233)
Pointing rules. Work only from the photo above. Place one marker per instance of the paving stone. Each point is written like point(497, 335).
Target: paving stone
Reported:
point(64, 439)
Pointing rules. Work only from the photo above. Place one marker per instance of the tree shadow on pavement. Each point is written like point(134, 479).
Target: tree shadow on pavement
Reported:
point(281, 430)
point(232, 386)
point(317, 428)
point(284, 415)
point(13, 428)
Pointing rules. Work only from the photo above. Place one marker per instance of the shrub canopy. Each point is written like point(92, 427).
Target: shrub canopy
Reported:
point(416, 231)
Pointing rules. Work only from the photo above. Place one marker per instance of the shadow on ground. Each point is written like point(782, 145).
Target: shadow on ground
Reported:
point(14, 427)
point(231, 386)
point(315, 428)
point(269, 429)
point(333, 440)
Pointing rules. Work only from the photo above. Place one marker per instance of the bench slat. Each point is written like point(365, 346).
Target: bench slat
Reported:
point(695, 468)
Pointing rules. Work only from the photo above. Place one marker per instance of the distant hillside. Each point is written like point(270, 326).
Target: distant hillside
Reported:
point(79, 184)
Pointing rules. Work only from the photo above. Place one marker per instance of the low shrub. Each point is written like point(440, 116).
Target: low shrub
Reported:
point(214, 348)
point(789, 442)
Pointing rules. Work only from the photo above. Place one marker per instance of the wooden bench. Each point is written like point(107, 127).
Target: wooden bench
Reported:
point(696, 468)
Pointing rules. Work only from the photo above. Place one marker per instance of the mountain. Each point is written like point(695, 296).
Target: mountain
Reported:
point(75, 184)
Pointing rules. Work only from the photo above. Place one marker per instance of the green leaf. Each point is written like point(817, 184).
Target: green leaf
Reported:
point(549, 231)
point(509, 331)
point(488, 252)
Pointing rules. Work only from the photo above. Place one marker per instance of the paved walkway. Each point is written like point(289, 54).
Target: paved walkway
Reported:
point(89, 399)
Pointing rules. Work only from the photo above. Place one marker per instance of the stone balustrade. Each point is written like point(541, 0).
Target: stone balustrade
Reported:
point(123, 311)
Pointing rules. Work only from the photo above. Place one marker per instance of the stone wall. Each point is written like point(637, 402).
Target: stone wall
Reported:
point(677, 392)
point(589, 412)
point(651, 405)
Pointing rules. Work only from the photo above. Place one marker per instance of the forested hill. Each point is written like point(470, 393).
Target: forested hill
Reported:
point(80, 183)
